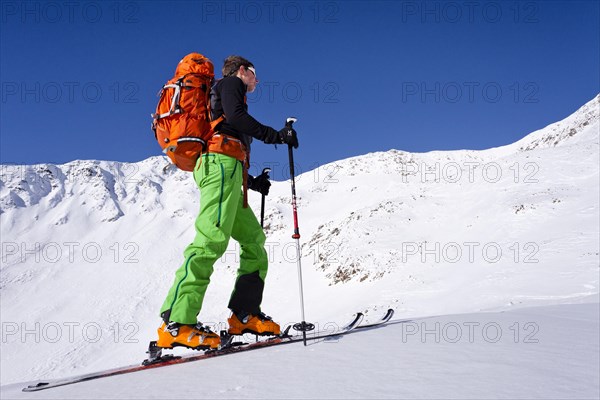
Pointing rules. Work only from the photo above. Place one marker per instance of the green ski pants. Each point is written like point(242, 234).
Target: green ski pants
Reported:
point(222, 215)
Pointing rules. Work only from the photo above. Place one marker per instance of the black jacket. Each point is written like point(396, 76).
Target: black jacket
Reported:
point(228, 97)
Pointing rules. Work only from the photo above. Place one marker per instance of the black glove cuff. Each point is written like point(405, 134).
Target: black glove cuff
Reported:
point(251, 181)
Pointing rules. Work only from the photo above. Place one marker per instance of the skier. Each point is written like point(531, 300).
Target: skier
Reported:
point(221, 176)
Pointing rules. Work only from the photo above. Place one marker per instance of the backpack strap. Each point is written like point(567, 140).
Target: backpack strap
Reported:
point(175, 107)
point(216, 122)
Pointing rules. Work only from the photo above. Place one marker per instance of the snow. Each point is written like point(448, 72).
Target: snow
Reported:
point(539, 352)
point(507, 235)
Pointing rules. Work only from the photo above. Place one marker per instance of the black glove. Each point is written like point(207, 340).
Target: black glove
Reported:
point(288, 136)
point(260, 183)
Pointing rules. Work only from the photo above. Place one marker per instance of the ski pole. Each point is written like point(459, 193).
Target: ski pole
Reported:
point(303, 326)
point(262, 202)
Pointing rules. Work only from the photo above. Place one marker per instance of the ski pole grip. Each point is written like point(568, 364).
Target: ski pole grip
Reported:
point(289, 121)
point(288, 124)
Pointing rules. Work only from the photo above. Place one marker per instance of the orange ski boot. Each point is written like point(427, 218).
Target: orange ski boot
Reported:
point(195, 337)
point(240, 323)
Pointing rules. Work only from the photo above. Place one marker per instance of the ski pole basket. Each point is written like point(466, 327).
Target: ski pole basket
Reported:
point(304, 327)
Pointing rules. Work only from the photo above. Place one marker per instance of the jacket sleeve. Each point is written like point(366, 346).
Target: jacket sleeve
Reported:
point(232, 99)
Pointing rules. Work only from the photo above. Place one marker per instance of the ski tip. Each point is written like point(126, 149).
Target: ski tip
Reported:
point(388, 315)
point(355, 322)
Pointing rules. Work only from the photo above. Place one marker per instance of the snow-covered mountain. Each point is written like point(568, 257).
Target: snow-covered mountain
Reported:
point(89, 248)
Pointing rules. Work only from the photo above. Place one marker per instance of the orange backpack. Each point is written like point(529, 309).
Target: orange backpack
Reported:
point(182, 124)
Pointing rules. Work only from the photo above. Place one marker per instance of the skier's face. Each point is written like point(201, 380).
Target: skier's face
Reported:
point(248, 76)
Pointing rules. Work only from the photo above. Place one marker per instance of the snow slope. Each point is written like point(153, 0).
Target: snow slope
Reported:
point(89, 248)
point(540, 352)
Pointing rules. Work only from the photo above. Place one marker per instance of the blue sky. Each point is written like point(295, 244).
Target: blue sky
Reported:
point(79, 79)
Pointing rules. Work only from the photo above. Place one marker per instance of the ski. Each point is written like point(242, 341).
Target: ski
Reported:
point(354, 323)
point(384, 320)
point(230, 348)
